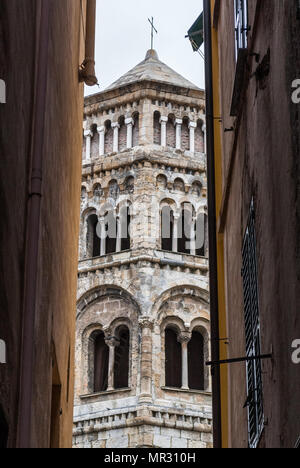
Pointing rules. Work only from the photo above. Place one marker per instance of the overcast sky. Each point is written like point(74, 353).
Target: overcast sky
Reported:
point(123, 37)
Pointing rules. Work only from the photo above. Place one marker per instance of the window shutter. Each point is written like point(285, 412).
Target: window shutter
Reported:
point(252, 333)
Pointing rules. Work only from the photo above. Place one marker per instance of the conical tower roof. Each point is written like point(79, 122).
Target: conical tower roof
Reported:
point(152, 69)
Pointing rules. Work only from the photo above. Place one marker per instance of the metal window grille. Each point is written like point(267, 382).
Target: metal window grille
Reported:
point(252, 331)
point(241, 25)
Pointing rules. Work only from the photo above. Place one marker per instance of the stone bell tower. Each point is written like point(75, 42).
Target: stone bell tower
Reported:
point(143, 305)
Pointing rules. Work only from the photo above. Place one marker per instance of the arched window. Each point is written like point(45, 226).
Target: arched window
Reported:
point(93, 240)
point(111, 232)
point(3, 430)
point(167, 228)
point(161, 182)
point(173, 359)
point(121, 369)
point(101, 357)
point(97, 192)
point(109, 136)
point(184, 230)
point(136, 129)
point(125, 219)
point(122, 134)
point(94, 142)
point(129, 185)
point(157, 128)
point(196, 361)
point(171, 132)
point(185, 135)
point(199, 138)
point(200, 228)
point(113, 189)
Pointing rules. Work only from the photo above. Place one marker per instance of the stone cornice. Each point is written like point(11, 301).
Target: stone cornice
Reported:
point(140, 155)
point(143, 90)
point(184, 262)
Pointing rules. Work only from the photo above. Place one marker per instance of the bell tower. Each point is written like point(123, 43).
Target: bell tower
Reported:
point(143, 303)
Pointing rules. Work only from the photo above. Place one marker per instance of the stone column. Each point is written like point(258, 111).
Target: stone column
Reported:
point(175, 233)
point(115, 127)
point(193, 237)
point(178, 124)
point(146, 360)
point(119, 234)
point(101, 131)
point(102, 235)
point(88, 137)
point(111, 342)
point(192, 127)
point(184, 339)
point(129, 124)
point(163, 122)
point(204, 137)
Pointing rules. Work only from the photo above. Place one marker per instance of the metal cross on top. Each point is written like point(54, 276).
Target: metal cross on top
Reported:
point(152, 30)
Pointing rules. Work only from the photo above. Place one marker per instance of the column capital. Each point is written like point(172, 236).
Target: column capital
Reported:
point(129, 121)
point(193, 125)
point(88, 133)
point(115, 125)
point(146, 322)
point(178, 121)
point(163, 119)
point(112, 341)
point(184, 337)
point(101, 129)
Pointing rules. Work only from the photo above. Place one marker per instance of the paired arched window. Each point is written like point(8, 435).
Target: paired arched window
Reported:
point(179, 363)
point(100, 358)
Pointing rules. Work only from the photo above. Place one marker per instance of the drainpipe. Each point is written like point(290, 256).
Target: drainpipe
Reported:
point(213, 258)
point(87, 72)
point(33, 230)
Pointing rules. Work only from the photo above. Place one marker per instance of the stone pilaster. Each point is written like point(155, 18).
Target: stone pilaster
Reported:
point(146, 360)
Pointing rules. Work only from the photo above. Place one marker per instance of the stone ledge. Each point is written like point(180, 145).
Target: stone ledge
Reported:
point(107, 392)
point(180, 390)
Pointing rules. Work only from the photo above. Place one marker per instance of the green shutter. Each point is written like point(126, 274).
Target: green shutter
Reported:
point(196, 33)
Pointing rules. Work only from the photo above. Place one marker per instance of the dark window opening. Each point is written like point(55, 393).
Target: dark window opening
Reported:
point(173, 359)
point(125, 223)
point(157, 128)
point(3, 430)
point(101, 357)
point(196, 361)
point(111, 230)
point(201, 227)
point(93, 240)
point(184, 227)
point(121, 370)
point(167, 229)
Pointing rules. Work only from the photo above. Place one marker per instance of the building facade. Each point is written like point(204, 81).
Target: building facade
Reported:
point(143, 320)
point(253, 70)
point(42, 45)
